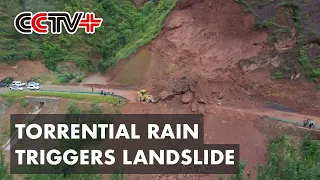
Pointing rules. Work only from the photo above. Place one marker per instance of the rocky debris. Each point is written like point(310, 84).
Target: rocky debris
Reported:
point(174, 23)
point(183, 85)
point(220, 96)
point(263, 60)
point(200, 100)
point(201, 110)
point(166, 95)
point(194, 107)
point(187, 97)
point(163, 84)
point(284, 44)
point(294, 76)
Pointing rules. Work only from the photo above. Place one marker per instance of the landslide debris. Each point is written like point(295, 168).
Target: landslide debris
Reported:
point(187, 97)
point(182, 85)
point(197, 57)
point(166, 95)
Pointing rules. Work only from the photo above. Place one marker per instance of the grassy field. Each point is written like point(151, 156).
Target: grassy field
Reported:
point(75, 96)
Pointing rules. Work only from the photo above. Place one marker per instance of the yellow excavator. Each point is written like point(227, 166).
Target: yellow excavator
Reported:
point(143, 96)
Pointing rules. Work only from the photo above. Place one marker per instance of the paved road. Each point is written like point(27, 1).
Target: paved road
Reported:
point(128, 94)
point(4, 90)
point(289, 116)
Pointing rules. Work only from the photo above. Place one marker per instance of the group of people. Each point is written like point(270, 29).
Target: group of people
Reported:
point(308, 123)
point(102, 92)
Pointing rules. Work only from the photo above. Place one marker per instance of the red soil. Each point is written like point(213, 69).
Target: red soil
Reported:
point(205, 40)
point(23, 70)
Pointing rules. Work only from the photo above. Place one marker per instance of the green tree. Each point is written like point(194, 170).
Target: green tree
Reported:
point(74, 108)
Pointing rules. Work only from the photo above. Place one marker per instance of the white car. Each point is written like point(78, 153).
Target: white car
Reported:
point(16, 88)
point(33, 83)
point(16, 83)
point(33, 87)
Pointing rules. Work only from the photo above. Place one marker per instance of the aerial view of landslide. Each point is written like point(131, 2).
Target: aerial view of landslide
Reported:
point(212, 57)
point(235, 61)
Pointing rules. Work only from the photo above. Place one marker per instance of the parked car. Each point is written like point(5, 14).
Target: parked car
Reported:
point(16, 88)
point(33, 87)
point(33, 83)
point(18, 83)
point(3, 84)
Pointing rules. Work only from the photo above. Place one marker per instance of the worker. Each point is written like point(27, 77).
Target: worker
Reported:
point(306, 122)
point(105, 93)
point(311, 124)
point(92, 89)
point(101, 92)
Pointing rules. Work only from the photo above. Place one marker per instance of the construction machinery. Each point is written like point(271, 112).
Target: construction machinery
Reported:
point(143, 96)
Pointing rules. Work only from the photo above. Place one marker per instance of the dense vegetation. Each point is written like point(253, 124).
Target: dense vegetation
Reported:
point(125, 28)
point(289, 159)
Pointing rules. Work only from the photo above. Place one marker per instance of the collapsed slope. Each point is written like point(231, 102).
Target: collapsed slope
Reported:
point(204, 41)
point(195, 65)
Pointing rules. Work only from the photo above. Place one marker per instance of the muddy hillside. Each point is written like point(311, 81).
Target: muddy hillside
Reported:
point(210, 57)
point(212, 48)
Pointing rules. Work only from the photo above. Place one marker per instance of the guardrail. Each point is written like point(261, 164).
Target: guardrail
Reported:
point(287, 121)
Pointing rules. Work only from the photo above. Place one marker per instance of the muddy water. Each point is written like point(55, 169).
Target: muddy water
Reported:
point(134, 69)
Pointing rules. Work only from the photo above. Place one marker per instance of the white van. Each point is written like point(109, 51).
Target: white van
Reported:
point(16, 83)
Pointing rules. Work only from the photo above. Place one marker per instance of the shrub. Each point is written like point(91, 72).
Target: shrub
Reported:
point(7, 80)
point(278, 75)
point(74, 108)
point(53, 54)
point(312, 72)
point(265, 24)
point(79, 79)
point(4, 173)
point(24, 103)
point(94, 109)
point(65, 78)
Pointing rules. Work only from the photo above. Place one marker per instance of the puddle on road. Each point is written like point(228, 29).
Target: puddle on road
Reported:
point(133, 71)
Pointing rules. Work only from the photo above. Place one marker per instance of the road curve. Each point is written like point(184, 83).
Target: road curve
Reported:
point(128, 94)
